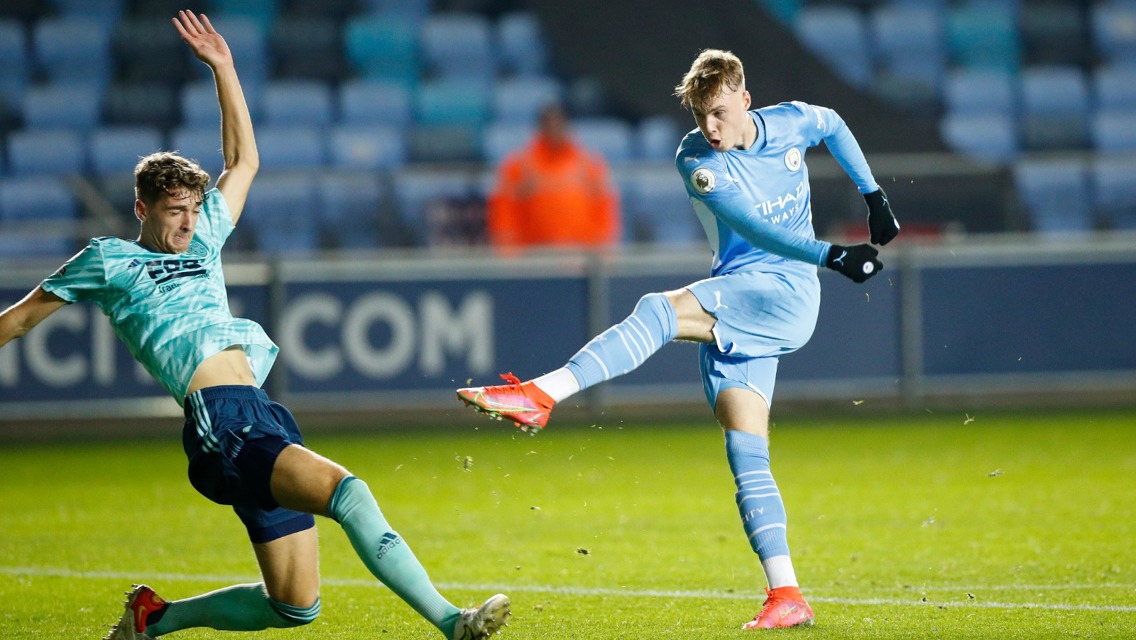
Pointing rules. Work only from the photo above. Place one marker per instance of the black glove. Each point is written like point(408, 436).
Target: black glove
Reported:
point(881, 221)
point(857, 262)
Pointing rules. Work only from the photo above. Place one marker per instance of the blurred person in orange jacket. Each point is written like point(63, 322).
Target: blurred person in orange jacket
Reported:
point(553, 193)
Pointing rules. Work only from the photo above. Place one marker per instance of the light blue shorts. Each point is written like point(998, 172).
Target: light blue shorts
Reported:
point(760, 316)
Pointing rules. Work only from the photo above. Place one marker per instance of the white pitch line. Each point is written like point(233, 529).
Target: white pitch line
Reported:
point(601, 591)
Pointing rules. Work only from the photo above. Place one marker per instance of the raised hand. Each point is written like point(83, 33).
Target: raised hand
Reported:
point(203, 39)
point(881, 221)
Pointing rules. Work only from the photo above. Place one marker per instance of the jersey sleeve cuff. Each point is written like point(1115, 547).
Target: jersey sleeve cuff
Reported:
point(822, 256)
point(60, 292)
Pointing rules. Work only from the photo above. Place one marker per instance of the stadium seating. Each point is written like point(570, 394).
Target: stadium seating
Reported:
point(117, 150)
point(14, 67)
point(1054, 33)
point(54, 152)
point(786, 11)
point(200, 143)
point(62, 106)
point(36, 199)
point(156, 8)
point(341, 87)
point(368, 102)
point(984, 34)
point(37, 217)
point(381, 47)
point(35, 242)
point(199, 104)
point(520, 44)
point(365, 146)
point(458, 46)
point(350, 207)
point(263, 12)
point(1056, 195)
point(990, 137)
point(657, 138)
point(1114, 88)
point(152, 104)
point(248, 42)
point(282, 213)
point(1113, 26)
point(612, 138)
point(657, 208)
point(297, 102)
point(413, 11)
point(149, 50)
point(107, 12)
point(75, 50)
point(499, 139)
point(452, 102)
point(910, 57)
point(838, 35)
point(1114, 191)
point(520, 100)
point(198, 101)
point(1055, 108)
point(1114, 132)
point(291, 147)
point(337, 10)
point(449, 115)
point(418, 191)
point(307, 48)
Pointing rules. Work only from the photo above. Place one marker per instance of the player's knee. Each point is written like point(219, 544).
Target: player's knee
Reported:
point(656, 306)
point(657, 310)
point(652, 302)
point(295, 616)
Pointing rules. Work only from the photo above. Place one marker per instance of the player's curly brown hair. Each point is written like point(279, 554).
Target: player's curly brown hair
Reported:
point(165, 172)
point(712, 71)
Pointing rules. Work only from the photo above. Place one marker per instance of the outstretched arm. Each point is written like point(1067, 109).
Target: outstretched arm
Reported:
point(843, 146)
point(19, 318)
point(238, 145)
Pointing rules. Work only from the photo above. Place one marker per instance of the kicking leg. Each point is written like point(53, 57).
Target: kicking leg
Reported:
point(657, 319)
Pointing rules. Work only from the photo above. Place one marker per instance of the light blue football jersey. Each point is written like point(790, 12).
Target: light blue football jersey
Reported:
point(754, 204)
point(171, 309)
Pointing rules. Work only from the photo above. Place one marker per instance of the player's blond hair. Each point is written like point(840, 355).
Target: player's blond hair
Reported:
point(164, 172)
point(713, 71)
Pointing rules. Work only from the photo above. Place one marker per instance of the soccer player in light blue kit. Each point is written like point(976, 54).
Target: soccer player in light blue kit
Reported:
point(165, 296)
point(746, 176)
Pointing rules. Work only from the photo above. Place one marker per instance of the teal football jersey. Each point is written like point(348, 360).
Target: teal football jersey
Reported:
point(171, 309)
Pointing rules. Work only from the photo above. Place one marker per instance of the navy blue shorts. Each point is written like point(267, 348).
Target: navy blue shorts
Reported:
point(232, 436)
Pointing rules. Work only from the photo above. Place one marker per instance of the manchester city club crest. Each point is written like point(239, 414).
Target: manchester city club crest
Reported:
point(793, 159)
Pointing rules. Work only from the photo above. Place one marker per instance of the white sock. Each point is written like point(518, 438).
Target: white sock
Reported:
point(558, 384)
point(779, 572)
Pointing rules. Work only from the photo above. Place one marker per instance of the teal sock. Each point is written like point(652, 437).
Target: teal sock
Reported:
point(386, 554)
point(242, 607)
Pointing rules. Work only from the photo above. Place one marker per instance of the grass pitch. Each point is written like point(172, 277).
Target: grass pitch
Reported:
point(929, 525)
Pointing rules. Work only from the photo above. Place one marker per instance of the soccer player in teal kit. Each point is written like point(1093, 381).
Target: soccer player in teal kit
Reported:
point(165, 296)
point(746, 177)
